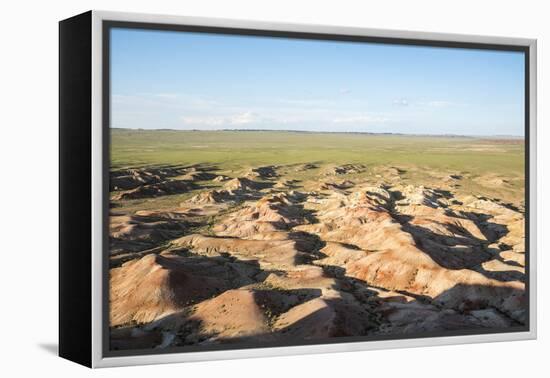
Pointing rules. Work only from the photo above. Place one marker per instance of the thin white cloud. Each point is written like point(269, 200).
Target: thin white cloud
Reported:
point(361, 119)
point(230, 120)
point(245, 118)
point(180, 110)
point(401, 102)
point(164, 99)
point(167, 95)
point(304, 103)
point(440, 103)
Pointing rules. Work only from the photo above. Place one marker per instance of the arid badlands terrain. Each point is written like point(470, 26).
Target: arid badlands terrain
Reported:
point(210, 253)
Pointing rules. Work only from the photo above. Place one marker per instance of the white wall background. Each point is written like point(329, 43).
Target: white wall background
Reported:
point(28, 200)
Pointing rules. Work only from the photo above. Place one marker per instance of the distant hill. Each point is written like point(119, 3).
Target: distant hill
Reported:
point(507, 137)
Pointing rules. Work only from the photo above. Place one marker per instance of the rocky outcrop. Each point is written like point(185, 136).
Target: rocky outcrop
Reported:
point(155, 190)
point(139, 232)
point(150, 288)
point(258, 261)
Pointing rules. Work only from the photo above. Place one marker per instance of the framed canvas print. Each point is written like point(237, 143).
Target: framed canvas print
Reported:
point(234, 189)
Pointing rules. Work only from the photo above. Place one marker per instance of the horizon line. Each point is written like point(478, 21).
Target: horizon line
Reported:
point(502, 136)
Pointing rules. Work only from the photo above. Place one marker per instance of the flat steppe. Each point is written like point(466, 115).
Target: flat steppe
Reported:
point(268, 237)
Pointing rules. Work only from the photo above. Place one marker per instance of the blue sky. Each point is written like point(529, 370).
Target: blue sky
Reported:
point(181, 80)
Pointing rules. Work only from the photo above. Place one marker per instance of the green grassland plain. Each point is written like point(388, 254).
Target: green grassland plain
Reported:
point(487, 166)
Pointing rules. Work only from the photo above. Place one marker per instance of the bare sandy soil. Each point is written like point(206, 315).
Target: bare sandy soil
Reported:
point(264, 256)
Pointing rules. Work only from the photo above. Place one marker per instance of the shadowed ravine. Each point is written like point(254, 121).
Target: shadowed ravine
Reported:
point(202, 255)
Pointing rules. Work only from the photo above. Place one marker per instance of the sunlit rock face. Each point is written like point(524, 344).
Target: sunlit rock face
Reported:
point(268, 256)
